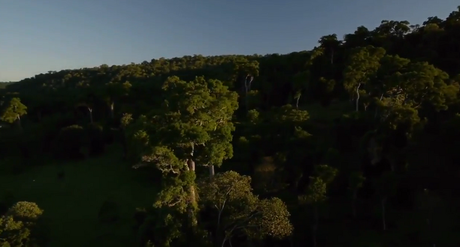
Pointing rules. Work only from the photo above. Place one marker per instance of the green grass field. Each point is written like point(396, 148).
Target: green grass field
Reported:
point(71, 205)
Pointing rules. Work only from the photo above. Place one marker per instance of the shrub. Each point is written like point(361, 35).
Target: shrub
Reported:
point(25, 211)
point(69, 142)
point(22, 226)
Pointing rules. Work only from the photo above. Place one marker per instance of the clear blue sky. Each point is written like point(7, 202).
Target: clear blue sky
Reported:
point(41, 35)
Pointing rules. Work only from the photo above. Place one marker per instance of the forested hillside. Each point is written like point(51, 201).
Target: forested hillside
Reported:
point(354, 143)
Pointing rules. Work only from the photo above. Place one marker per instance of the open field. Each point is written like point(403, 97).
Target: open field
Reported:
point(72, 204)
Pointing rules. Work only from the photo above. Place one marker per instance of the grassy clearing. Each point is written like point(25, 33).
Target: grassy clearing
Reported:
point(71, 205)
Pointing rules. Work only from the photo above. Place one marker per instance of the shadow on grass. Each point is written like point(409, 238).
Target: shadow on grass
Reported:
point(72, 203)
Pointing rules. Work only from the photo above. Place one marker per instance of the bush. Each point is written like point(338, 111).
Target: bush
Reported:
point(69, 142)
point(26, 212)
point(109, 212)
point(22, 226)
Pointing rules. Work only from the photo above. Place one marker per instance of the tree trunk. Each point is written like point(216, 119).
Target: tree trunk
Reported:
point(112, 114)
point(192, 190)
point(332, 56)
point(218, 236)
point(247, 88)
point(224, 241)
point(251, 78)
point(297, 103)
point(211, 171)
point(357, 96)
point(18, 121)
point(377, 109)
point(90, 115)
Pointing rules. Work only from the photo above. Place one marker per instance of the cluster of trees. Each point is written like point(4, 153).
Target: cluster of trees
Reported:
point(383, 171)
point(21, 225)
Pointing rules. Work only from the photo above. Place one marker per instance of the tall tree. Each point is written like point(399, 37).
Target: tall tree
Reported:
point(193, 126)
point(330, 43)
point(386, 187)
point(238, 211)
point(113, 92)
point(362, 65)
point(302, 80)
point(13, 112)
point(245, 71)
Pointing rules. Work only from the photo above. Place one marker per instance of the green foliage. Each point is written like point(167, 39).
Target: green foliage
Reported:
point(137, 139)
point(326, 173)
point(230, 191)
point(356, 180)
point(316, 192)
point(13, 111)
point(253, 99)
point(162, 228)
point(273, 220)
point(363, 63)
point(253, 116)
point(396, 116)
point(287, 114)
point(195, 118)
point(126, 119)
point(113, 91)
point(19, 226)
point(239, 211)
point(176, 193)
point(27, 212)
point(301, 82)
point(13, 233)
point(193, 125)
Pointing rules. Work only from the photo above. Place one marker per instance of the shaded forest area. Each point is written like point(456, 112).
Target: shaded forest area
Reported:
point(354, 143)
